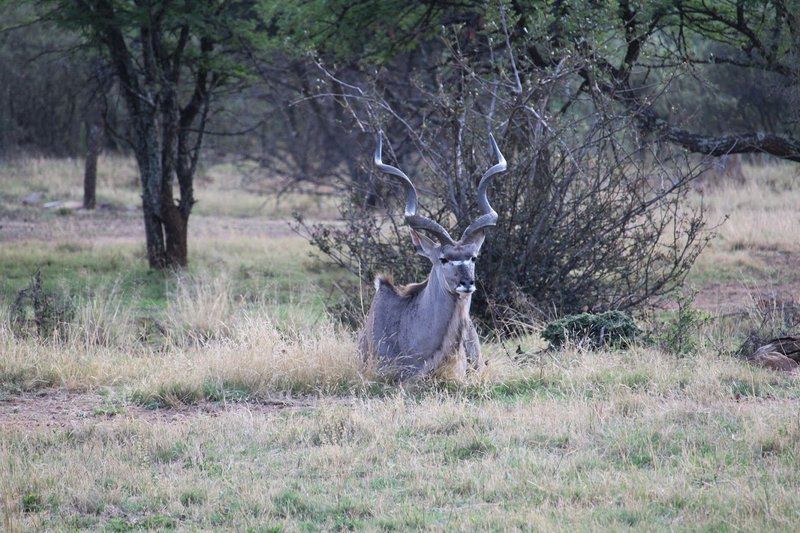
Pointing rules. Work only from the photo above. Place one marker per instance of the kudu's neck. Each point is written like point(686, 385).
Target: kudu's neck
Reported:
point(439, 302)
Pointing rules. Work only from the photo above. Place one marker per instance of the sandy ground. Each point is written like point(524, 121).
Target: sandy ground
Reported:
point(63, 409)
point(109, 226)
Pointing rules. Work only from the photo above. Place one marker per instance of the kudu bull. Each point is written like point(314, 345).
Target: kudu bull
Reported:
point(425, 327)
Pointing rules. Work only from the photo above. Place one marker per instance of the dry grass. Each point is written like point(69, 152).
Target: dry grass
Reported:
point(625, 439)
point(62, 179)
point(589, 440)
point(762, 211)
point(223, 189)
point(612, 439)
point(207, 336)
point(756, 245)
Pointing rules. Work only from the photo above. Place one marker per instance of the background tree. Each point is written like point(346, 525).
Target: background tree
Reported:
point(171, 59)
point(95, 117)
point(659, 60)
point(42, 85)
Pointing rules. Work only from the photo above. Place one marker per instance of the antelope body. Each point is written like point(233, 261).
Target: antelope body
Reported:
point(425, 328)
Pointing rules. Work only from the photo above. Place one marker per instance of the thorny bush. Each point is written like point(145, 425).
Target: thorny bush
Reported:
point(592, 215)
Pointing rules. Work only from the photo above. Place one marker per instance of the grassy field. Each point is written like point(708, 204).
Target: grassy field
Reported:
point(226, 397)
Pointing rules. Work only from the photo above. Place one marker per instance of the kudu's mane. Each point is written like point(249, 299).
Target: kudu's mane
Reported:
point(403, 291)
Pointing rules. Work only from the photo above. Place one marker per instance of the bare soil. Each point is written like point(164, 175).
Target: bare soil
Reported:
point(64, 409)
point(731, 297)
point(105, 226)
point(780, 286)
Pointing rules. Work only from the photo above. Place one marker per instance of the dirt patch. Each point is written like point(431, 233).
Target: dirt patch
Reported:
point(731, 297)
point(63, 409)
point(780, 283)
point(107, 226)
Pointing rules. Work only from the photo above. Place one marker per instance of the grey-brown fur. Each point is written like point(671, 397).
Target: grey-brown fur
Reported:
point(421, 328)
point(425, 328)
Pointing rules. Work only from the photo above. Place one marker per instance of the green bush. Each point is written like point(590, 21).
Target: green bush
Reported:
point(681, 334)
point(612, 328)
point(39, 312)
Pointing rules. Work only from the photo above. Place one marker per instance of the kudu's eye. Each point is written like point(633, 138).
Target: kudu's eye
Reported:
point(443, 260)
point(473, 258)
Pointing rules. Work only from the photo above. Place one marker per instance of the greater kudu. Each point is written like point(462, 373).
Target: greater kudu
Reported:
point(425, 327)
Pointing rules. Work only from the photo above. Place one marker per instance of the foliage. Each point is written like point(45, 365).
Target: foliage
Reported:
point(679, 334)
point(730, 67)
point(40, 312)
point(612, 328)
point(376, 30)
point(662, 61)
point(588, 216)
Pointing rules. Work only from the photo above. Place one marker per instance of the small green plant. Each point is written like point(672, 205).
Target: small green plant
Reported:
point(289, 503)
point(192, 497)
point(40, 312)
point(681, 333)
point(475, 448)
point(32, 503)
point(109, 410)
point(612, 328)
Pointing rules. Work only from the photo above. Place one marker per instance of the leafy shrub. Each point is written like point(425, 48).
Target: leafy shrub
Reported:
point(587, 219)
point(39, 312)
point(680, 335)
point(612, 328)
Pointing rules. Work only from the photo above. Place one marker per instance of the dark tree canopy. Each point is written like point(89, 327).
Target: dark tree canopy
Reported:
point(628, 48)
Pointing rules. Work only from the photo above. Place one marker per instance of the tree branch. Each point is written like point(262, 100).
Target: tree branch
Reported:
point(746, 143)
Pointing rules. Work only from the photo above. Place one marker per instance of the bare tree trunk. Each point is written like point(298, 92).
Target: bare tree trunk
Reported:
point(161, 132)
point(94, 145)
point(175, 231)
point(150, 171)
point(165, 223)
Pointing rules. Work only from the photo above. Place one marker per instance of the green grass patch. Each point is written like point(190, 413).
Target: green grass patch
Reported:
point(472, 449)
point(279, 271)
point(522, 389)
point(80, 269)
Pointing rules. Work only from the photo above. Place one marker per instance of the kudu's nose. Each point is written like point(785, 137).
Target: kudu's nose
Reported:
point(466, 285)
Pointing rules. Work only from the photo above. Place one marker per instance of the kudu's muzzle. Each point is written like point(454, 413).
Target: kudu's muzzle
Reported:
point(466, 286)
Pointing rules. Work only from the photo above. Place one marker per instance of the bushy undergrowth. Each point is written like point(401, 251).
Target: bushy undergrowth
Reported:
point(680, 333)
point(590, 330)
point(587, 217)
point(211, 344)
point(39, 312)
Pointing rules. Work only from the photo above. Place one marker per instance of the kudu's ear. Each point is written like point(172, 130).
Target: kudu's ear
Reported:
point(475, 238)
point(425, 246)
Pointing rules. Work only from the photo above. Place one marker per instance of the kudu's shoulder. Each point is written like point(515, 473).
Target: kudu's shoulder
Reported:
point(384, 284)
